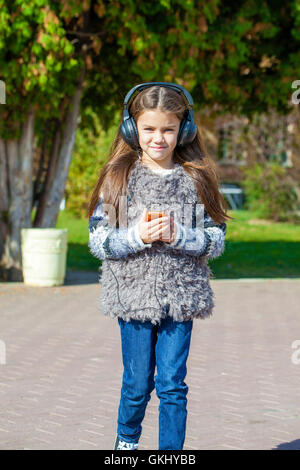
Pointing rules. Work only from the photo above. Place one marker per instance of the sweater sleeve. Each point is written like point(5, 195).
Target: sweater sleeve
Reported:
point(107, 242)
point(207, 240)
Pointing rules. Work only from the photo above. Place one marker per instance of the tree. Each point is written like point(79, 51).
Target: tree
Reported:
point(59, 57)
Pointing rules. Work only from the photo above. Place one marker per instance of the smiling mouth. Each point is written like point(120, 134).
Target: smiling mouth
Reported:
point(158, 148)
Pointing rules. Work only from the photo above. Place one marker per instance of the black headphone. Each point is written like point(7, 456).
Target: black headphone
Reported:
point(187, 131)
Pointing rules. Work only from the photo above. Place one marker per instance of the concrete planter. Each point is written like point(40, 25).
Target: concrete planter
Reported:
point(44, 253)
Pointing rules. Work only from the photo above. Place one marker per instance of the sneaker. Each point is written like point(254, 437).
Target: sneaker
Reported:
point(122, 445)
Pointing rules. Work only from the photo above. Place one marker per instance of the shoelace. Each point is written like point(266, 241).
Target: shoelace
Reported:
point(126, 445)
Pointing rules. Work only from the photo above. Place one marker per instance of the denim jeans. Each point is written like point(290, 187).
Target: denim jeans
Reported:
point(145, 346)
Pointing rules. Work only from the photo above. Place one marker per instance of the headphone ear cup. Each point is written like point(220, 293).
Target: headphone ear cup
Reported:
point(180, 132)
point(135, 133)
point(129, 133)
point(187, 131)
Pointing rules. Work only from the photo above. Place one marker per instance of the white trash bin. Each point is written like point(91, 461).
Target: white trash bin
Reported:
point(44, 254)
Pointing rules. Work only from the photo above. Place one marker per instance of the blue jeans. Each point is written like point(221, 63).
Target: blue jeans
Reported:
point(145, 346)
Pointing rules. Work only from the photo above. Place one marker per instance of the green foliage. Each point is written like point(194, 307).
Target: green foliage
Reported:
point(90, 154)
point(270, 192)
point(37, 61)
point(242, 55)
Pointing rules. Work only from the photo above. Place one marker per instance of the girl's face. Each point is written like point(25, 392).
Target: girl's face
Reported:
point(158, 136)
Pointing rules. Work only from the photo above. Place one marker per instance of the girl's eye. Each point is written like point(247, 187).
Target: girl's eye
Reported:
point(150, 129)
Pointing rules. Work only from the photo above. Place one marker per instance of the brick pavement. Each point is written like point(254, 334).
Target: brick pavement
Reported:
point(60, 369)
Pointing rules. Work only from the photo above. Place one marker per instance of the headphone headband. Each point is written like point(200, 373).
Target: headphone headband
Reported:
point(178, 88)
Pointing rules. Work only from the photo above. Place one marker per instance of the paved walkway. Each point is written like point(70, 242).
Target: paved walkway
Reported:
point(60, 369)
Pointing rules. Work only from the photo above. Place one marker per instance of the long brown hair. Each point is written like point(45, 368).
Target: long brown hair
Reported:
point(114, 174)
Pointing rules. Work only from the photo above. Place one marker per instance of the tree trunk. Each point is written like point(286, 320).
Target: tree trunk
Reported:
point(16, 185)
point(38, 180)
point(3, 197)
point(53, 195)
point(15, 198)
point(50, 174)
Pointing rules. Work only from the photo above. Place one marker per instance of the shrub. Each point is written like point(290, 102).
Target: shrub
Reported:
point(270, 192)
point(90, 153)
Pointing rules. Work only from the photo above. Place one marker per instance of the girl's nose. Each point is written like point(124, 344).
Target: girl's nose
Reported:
point(158, 137)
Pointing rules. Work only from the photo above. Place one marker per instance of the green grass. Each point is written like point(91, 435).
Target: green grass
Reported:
point(259, 249)
point(265, 250)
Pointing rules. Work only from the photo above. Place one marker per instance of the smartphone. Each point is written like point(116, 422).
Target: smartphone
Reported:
point(151, 215)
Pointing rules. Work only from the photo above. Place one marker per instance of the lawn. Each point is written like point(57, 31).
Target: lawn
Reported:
point(254, 248)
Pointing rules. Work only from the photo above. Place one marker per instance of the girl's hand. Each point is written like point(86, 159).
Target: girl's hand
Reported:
point(156, 229)
point(169, 234)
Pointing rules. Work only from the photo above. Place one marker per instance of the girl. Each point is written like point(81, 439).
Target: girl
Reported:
point(155, 276)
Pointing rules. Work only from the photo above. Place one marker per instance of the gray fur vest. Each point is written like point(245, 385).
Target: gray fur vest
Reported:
point(159, 280)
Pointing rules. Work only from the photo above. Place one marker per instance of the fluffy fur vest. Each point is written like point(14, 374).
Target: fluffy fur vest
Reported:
point(159, 280)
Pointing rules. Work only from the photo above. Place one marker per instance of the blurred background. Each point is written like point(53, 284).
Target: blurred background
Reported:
point(65, 68)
